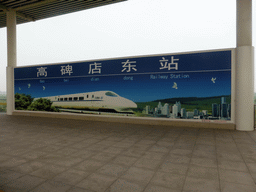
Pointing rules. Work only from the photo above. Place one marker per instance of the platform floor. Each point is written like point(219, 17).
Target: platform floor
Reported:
point(46, 154)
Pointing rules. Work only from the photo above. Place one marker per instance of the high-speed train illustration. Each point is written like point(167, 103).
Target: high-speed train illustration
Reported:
point(99, 100)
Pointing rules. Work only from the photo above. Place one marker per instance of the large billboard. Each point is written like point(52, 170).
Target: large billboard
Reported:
point(176, 86)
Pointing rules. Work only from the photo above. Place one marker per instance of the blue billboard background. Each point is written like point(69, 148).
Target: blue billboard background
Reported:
point(141, 79)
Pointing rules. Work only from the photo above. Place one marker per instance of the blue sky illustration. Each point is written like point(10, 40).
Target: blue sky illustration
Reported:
point(139, 79)
point(141, 88)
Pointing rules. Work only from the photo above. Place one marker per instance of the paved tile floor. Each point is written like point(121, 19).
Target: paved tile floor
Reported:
point(45, 154)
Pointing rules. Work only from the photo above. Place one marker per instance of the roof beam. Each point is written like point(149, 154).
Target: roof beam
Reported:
point(34, 5)
point(19, 14)
point(24, 16)
point(2, 7)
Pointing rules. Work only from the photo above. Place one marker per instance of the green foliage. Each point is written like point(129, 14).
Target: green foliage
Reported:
point(22, 101)
point(42, 105)
point(139, 114)
point(2, 103)
point(2, 108)
point(26, 102)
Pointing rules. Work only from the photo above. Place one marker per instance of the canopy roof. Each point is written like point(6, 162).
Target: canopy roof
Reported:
point(40, 9)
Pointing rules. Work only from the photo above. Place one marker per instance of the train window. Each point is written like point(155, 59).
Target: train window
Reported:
point(87, 96)
point(97, 97)
point(58, 99)
point(65, 99)
point(61, 99)
point(101, 97)
point(81, 98)
point(92, 96)
point(70, 98)
point(111, 94)
point(75, 98)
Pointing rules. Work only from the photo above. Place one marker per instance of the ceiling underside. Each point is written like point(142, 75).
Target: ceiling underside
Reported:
point(40, 9)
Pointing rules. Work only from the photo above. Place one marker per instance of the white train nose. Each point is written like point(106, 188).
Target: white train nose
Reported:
point(130, 104)
point(133, 105)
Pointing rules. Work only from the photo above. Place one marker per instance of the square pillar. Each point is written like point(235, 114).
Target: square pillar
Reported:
point(11, 60)
point(244, 86)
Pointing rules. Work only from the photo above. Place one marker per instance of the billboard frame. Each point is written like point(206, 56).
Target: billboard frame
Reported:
point(204, 121)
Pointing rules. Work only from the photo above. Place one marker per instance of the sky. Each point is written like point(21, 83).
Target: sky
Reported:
point(131, 28)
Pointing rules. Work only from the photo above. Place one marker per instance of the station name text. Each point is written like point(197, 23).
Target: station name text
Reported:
point(128, 66)
point(169, 76)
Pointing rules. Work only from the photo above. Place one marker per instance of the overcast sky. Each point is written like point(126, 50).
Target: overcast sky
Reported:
point(131, 28)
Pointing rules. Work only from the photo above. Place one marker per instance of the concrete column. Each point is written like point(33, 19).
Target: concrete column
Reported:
point(244, 23)
point(11, 60)
point(244, 87)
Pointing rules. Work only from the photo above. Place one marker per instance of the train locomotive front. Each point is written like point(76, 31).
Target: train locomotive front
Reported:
point(118, 103)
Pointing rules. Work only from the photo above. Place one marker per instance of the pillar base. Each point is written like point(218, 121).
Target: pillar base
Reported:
point(10, 101)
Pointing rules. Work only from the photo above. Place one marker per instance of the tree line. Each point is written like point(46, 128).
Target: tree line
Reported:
point(26, 102)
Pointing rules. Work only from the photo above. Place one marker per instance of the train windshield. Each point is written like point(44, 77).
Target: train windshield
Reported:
point(111, 94)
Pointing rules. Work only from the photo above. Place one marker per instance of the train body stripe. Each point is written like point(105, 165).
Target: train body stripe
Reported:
point(77, 101)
